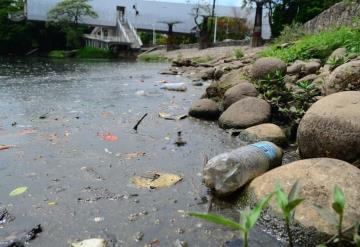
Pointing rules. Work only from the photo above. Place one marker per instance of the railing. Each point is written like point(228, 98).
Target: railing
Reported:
point(122, 29)
point(135, 34)
point(107, 38)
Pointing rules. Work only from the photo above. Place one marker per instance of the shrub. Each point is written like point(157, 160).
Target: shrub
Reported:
point(317, 45)
point(151, 57)
point(89, 52)
point(238, 53)
point(56, 54)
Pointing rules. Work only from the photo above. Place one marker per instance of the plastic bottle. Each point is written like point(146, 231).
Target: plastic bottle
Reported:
point(228, 172)
point(174, 87)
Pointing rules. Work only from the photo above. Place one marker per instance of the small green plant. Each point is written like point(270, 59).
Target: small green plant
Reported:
point(205, 59)
point(248, 219)
point(338, 206)
point(57, 54)
point(319, 45)
point(287, 204)
point(151, 58)
point(336, 61)
point(291, 33)
point(238, 53)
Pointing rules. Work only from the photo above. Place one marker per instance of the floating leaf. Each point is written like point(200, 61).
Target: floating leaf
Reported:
point(52, 203)
point(94, 242)
point(156, 180)
point(18, 191)
point(134, 155)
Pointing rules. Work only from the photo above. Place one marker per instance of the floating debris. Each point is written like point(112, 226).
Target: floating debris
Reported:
point(4, 147)
point(168, 116)
point(134, 155)
point(18, 191)
point(109, 137)
point(93, 242)
point(179, 141)
point(156, 180)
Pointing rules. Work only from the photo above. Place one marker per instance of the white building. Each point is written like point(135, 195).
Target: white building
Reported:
point(118, 19)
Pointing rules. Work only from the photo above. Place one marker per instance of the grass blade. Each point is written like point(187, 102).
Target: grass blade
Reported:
point(294, 191)
point(255, 212)
point(220, 220)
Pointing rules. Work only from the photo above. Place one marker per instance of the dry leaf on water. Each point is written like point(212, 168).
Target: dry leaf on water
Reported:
point(167, 116)
point(134, 155)
point(18, 191)
point(156, 180)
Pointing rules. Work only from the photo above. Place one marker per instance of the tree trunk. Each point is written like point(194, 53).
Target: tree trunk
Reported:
point(256, 36)
point(170, 46)
point(204, 41)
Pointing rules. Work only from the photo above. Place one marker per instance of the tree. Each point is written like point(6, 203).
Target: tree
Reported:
point(256, 39)
point(71, 11)
point(288, 11)
point(201, 13)
point(68, 14)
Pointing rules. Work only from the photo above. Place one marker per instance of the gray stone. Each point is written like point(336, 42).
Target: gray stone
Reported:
point(267, 65)
point(295, 68)
point(344, 77)
point(338, 53)
point(239, 92)
point(317, 178)
point(311, 67)
point(205, 109)
point(245, 113)
point(309, 78)
point(331, 128)
point(207, 74)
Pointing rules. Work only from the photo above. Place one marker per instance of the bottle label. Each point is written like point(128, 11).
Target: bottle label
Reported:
point(268, 149)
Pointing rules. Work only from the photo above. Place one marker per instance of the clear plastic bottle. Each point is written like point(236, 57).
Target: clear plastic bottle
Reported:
point(228, 172)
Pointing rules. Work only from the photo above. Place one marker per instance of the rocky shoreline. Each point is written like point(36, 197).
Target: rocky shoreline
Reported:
point(326, 126)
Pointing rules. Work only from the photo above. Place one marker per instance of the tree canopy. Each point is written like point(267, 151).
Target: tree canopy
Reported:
point(71, 11)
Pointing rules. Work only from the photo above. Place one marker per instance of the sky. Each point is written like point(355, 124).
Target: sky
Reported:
point(218, 2)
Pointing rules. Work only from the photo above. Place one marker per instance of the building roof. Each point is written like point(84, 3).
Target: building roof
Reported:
point(151, 14)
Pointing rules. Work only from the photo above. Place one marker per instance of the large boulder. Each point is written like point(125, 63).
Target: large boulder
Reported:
point(331, 128)
point(317, 178)
point(338, 53)
point(311, 67)
point(239, 92)
point(344, 77)
point(205, 109)
point(245, 113)
point(265, 132)
point(267, 65)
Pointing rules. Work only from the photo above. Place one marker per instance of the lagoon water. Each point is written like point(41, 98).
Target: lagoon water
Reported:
point(54, 114)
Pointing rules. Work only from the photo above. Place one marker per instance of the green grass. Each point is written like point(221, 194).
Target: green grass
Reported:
point(56, 54)
point(238, 53)
point(152, 58)
point(204, 59)
point(88, 52)
point(318, 45)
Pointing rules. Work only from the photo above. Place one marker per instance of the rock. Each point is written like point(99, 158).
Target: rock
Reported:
point(239, 92)
point(295, 68)
point(228, 172)
point(182, 63)
point(218, 74)
point(207, 74)
point(309, 78)
point(291, 79)
point(205, 109)
point(331, 128)
point(245, 113)
point(169, 72)
point(344, 77)
point(311, 67)
point(217, 89)
point(267, 65)
point(317, 178)
point(94, 242)
point(264, 132)
point(338, 53)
